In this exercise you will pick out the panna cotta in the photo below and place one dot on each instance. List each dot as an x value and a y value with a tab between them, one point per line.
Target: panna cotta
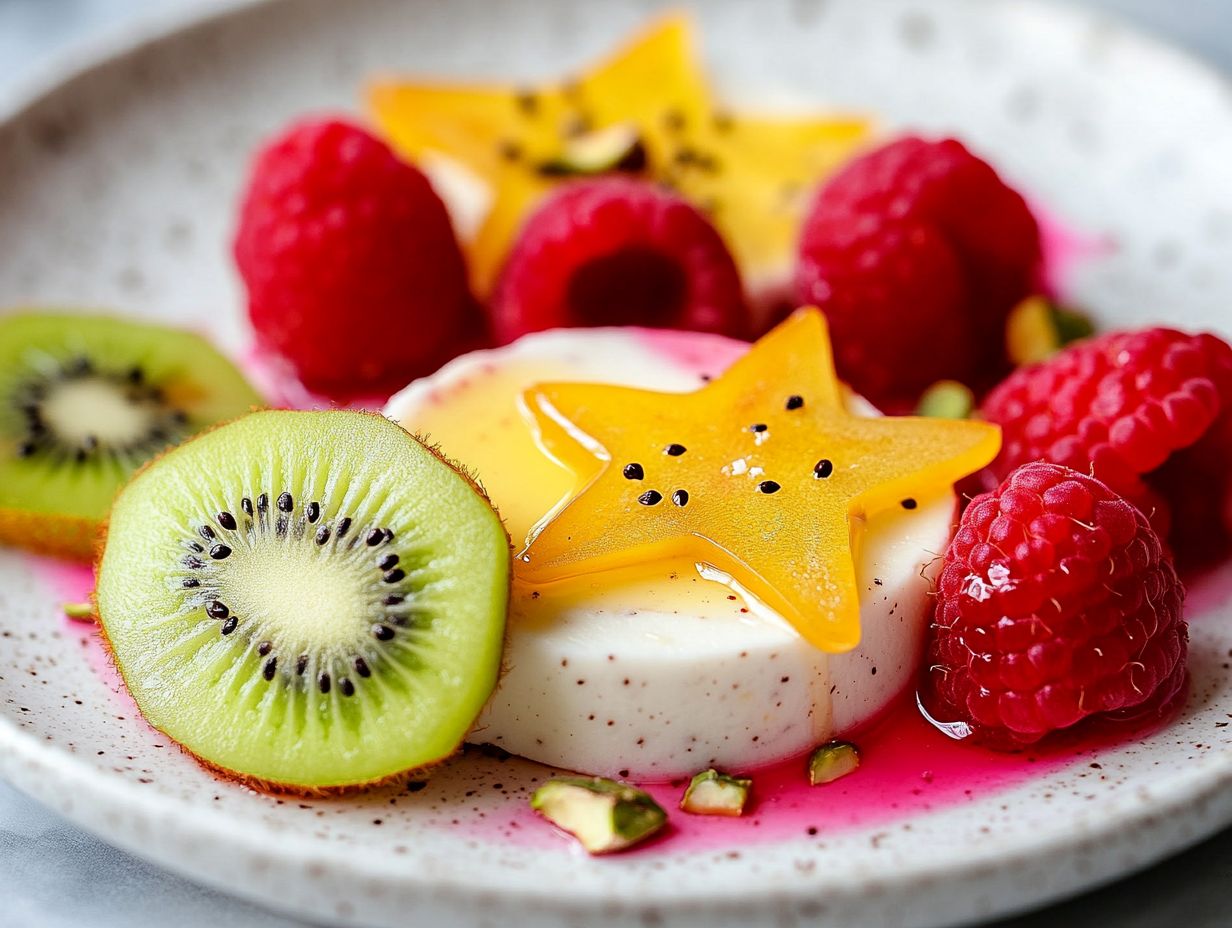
661	671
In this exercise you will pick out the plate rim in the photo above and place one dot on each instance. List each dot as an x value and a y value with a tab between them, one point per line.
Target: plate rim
1201	782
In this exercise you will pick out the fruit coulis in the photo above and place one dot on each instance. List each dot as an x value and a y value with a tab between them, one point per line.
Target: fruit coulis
907	768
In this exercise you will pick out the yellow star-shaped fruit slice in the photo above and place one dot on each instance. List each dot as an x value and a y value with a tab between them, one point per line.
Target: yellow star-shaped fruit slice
763	474
752	174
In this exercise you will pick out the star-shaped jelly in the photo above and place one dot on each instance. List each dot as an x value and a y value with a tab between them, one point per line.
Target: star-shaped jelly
751	173
763	474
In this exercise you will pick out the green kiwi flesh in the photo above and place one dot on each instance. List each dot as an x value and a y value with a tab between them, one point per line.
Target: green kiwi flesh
85	400
307	600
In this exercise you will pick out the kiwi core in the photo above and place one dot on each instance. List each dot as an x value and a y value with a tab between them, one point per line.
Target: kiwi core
97	408
332	611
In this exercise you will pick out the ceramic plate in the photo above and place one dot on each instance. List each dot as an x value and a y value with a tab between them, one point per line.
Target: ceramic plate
118	183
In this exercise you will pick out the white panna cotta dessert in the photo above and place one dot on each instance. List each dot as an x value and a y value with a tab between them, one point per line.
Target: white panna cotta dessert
663	671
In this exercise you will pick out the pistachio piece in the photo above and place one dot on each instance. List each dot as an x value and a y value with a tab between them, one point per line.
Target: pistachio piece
1037	328
714	793
832	760
79	612
946	399
603	815
613	148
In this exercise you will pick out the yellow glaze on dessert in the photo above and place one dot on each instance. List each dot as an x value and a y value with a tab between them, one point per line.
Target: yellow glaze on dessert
762	474
752	174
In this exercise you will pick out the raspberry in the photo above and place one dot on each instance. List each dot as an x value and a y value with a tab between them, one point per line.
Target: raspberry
1120	406
617	251
916	252
351	264
1055	603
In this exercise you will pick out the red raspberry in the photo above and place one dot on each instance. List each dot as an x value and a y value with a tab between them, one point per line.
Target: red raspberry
352	268
617	251
916	252
1055	603
1120	406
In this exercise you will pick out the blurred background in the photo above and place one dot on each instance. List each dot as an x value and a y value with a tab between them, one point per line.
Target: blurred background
30	30
52	874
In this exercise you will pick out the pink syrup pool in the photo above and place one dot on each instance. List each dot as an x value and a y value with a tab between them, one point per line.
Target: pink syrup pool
907	768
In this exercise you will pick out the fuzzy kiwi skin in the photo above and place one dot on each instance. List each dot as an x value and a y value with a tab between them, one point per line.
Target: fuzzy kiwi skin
274	787
72	538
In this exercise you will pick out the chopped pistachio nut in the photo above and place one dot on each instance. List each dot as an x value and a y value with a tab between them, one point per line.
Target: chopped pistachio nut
714	793
79	612
831	761
1037	328
612	148
603	815
946	399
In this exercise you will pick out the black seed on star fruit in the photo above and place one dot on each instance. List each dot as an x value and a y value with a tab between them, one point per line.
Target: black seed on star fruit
823	468
206	532
313	511
301	664
270	668
220	552
768	486
362	668
382	632
323	683
387	534
193	546
758	427
675	450
265	647
286	502
387	562
246	505
343	527
795	401
394	600
230	625
322	535
217	610
189	582
634	472
375	537
395	575
909	503
226	520
263	502
193	563
346	687
680	497
650	498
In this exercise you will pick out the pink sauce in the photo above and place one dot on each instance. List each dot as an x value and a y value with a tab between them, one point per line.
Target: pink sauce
1065	248
74	583
907	768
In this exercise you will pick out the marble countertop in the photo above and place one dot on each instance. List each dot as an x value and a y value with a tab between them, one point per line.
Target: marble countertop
52	874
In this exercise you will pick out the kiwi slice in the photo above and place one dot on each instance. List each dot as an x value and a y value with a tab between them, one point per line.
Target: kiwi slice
84	400
306	600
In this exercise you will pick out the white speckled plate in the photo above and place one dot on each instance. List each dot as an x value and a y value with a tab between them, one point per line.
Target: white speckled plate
116	186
